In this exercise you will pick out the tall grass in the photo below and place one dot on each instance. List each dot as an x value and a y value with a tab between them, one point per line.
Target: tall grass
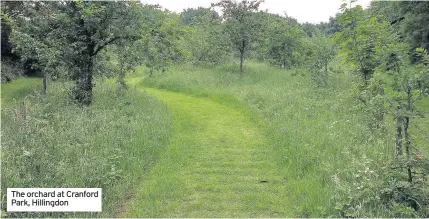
319	135
49	142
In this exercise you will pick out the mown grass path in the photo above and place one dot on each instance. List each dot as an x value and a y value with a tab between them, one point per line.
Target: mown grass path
217	165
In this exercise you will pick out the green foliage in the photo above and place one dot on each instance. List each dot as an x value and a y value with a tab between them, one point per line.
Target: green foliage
10	70
408	19
241	26
376	191
285	42
392	86
416	15
12	64
70	35
160	43
191	16
51	143
323	50
360	39
206	42
33	40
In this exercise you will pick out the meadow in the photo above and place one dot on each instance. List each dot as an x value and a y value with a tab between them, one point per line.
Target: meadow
317	135
244	113
311	145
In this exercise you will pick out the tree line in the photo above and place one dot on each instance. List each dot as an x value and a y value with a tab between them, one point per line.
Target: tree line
77	40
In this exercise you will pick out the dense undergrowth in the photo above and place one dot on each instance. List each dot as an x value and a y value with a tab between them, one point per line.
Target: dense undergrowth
328	154
50	142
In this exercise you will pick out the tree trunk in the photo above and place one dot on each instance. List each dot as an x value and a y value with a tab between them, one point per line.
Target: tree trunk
326	67
380	116
399	124
408	148
45	85
242	50
407	136
83	60
84	85
241	60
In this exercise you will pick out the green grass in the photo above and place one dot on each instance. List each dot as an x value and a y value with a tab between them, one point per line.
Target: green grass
49	142
213	166
18	89
315	135
206	149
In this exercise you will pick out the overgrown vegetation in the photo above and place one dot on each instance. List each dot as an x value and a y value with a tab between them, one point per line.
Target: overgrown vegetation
343	104
51	142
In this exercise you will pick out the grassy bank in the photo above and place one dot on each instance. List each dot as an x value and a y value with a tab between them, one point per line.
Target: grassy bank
49	142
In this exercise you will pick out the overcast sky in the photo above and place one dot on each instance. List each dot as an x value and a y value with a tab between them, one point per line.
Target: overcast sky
313	11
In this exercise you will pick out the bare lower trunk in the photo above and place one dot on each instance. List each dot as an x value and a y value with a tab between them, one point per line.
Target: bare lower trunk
407	135
241	61
326	68
84	85
399	125
408	148
45	85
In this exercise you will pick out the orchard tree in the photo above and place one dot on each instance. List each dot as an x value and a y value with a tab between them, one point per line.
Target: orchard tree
323	50
358	40
88	28
285	43
192	16
206	42
35	39
72	33
159	44
241	26
361	41
375	47
408	84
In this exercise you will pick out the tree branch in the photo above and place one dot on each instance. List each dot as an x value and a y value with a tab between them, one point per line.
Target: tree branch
112	40
104	44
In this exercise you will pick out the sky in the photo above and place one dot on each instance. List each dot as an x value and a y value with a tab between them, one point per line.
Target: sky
312	11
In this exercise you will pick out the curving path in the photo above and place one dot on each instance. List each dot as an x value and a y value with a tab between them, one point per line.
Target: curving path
217	165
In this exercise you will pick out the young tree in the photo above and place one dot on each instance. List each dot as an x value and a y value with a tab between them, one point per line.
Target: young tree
241	26
409	83
358	40
285	43
361	39
323	50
